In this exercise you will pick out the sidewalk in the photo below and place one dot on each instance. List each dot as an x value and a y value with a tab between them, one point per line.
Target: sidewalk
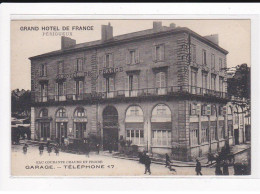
236	149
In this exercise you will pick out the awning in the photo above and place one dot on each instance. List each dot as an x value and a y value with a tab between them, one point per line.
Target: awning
137	126
162	126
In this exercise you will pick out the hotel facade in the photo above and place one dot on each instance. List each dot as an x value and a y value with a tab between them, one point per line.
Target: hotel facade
163	88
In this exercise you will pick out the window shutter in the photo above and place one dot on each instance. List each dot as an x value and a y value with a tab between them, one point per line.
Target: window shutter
162	52
80	87
64	88
40	90
112	83
127	83
111	60
74	87
56	89
45	89
127	57
154	53
135	82
137	56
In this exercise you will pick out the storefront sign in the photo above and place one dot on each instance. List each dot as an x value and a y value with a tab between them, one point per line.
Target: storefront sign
83	120
62	120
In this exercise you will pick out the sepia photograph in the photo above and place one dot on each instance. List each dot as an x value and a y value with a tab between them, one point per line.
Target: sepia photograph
128	97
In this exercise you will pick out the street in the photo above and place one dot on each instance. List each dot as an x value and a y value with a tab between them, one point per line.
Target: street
67	164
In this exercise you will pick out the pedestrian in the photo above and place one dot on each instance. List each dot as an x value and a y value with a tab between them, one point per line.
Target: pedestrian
198	167
49	149
25	148
147	163
225	168
56	149
41	148
218	169
167	160
48	143
98	147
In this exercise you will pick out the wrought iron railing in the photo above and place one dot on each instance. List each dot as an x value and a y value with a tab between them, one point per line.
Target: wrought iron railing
144	92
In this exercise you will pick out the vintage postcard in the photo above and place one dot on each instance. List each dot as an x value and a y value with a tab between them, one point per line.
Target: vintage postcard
130	97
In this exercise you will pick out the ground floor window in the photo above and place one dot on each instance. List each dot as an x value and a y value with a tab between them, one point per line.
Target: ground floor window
230	128
161	137
213	130
204	132
135	135
194	133
44	128
61	130
221	130
80	128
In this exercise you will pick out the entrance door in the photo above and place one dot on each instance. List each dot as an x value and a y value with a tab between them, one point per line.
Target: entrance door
61	131
80	128
236	134
110	128
45	130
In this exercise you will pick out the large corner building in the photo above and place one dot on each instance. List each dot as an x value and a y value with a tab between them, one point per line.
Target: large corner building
163	88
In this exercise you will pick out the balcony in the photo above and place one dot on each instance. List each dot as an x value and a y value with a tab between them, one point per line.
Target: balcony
181	91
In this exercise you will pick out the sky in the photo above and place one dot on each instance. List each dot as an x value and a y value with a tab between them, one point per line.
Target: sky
234	36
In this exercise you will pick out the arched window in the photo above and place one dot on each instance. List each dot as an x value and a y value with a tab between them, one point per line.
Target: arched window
80	112
43	113
134	125
161	125
229	110
61	113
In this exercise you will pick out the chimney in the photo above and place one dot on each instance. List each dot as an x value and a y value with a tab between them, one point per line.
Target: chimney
157	26
106	32
213	38
67	42
172	25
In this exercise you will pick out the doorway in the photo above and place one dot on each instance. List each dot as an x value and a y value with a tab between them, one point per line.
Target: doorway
236	134
110	128
61	131
45	130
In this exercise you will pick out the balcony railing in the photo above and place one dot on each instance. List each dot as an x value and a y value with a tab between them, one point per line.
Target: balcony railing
144	92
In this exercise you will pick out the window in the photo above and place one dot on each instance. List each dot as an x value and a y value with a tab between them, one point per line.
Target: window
44	89
204	132
213	130
80	112
160	80
61	113
80	128
204	57
108	60
194	109
212	61
43	113
213	82
60	67
135	135
221	83
194	133
78	87
193	53
161	137
158	54
43	70
220	112
61	88
221	129
78	65
132	57
220	64
213	110
204	80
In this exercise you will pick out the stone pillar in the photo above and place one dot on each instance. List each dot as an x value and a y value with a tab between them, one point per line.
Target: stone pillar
33	135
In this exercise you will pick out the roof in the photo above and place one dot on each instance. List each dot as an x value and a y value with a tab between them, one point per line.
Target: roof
128	37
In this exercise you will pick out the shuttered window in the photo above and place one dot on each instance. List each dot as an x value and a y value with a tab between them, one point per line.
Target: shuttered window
158	52
160	80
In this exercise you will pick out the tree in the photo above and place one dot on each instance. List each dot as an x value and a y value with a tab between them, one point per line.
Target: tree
21	102
239	84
